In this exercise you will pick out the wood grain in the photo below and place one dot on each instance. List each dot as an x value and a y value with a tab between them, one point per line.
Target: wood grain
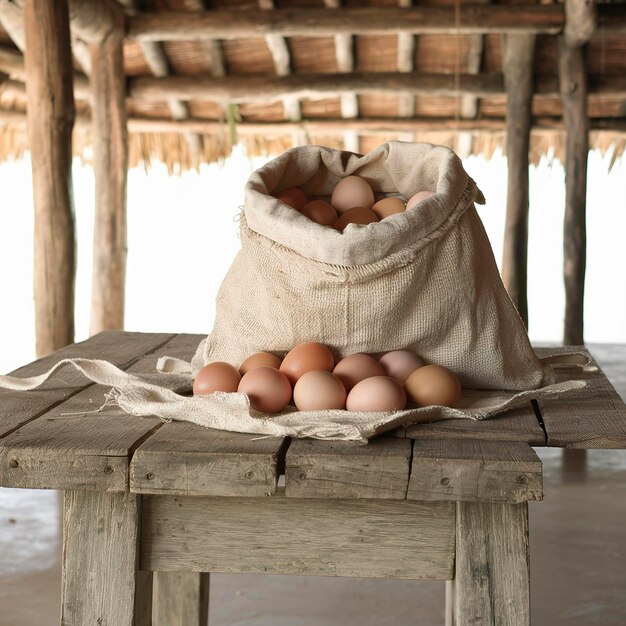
519	52
122	349
73	447
491	583
181	599
593	417
187	459
472	471
300	536
336	469
100	559
50	112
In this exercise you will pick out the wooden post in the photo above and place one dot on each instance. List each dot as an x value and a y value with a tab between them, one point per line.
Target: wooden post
181	599
110	168
50	104
518	76
573	86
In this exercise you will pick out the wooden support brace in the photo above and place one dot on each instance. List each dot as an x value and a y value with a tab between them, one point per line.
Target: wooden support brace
181	599
518	72
48	61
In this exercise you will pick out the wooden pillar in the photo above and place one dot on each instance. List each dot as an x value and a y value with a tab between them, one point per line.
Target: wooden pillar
110	136
580	17
518	75
50	104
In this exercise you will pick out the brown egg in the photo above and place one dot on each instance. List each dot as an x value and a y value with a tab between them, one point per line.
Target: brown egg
415	199
357	215
318	391
388	206
433	384
268	389
320	212
379	393
217	376
357	367
260	359
350	192
307	357
293	197
400	364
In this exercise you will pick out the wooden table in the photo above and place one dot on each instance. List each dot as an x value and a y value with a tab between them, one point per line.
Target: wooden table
444	501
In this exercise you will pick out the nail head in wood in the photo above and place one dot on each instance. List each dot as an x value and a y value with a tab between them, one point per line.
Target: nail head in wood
108	469
150	476
14	463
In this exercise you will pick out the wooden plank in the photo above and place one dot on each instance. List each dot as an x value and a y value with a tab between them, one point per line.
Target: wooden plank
187	459
516	425
593	417
519	52
101	584
491	582
122	349
110	162
337	469
50	112
73	447
319	22
573	82
181	599
472	471
299	536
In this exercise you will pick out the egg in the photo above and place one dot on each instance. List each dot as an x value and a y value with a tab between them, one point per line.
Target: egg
379	393
260	359
268	389
400	364
293	197
320	211
318	391
433	384
216	376
350	192
357	367
307	357
415	199
388	206
357	215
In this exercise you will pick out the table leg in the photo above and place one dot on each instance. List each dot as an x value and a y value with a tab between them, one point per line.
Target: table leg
492	583
181	599
101	583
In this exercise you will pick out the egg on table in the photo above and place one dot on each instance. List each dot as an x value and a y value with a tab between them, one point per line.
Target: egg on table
216	376
293	197
267	388
400	364
388	206
433	385
260	359
307	357
357	367
320	211
319	390
351	192
379	393
357	215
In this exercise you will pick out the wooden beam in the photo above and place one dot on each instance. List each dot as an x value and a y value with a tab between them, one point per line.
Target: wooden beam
406	63
48	60
110	168
95	20
519	51
573	83
580	21
319	22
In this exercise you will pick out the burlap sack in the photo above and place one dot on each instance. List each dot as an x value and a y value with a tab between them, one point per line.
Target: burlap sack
423	280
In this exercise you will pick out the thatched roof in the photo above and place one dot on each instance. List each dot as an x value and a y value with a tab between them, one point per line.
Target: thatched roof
310	111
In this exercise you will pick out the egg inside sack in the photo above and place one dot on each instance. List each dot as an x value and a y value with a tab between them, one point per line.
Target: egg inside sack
307	357
293	197
267	388
388	206
357	215
415	199
380	394
217	376
357	367
260	359
351	192
400	364
320	212
319	391
433	385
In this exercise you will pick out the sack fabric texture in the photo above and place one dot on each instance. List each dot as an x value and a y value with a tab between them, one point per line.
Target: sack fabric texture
424	280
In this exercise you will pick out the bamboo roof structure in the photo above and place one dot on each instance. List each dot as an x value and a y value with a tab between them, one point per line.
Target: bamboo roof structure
201	76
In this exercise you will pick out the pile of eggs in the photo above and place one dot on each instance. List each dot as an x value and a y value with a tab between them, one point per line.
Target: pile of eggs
309	375
352	202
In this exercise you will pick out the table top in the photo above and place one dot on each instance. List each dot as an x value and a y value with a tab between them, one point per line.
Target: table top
52	437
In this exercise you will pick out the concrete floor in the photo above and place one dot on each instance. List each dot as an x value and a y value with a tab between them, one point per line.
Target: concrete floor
578	559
